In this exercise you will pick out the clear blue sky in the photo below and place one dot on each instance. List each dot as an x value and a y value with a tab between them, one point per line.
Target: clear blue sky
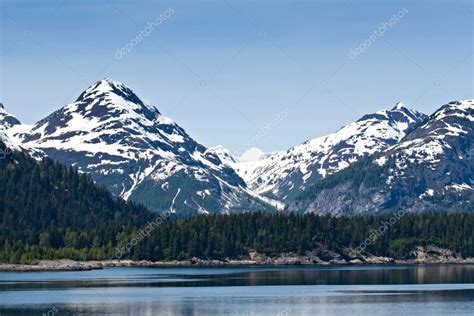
223	69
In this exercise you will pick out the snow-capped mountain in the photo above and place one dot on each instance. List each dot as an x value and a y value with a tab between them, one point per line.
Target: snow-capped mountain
442	149
284	175
10	128
431	168
138	153
385	160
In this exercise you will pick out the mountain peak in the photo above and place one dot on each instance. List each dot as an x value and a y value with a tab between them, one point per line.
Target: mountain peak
461	105
108	98
110	81
106	85
219	149
6	119
108	88
106	113
399	106
223	154
398	114
402	107
109	84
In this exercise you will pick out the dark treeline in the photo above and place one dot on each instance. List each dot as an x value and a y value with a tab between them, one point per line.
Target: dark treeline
48	211
231	236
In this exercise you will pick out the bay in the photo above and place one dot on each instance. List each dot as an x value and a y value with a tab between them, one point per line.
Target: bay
288	290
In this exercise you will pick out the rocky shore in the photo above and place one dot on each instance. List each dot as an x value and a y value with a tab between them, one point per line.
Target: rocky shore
420	255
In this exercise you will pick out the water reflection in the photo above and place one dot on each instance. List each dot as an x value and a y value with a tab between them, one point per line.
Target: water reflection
410	290
176	277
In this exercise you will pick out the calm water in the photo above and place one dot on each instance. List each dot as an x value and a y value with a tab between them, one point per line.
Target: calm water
282	291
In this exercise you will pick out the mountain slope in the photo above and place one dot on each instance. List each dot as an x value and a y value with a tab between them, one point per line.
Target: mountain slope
432	168
47	205
138	153
284	175
9	126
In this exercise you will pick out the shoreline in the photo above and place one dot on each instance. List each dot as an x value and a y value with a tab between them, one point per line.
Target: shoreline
66	265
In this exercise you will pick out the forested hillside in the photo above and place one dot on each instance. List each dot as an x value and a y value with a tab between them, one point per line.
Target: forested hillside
44	206
49	211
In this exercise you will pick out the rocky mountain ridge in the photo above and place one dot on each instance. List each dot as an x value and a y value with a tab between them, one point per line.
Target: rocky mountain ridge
430	169
390	159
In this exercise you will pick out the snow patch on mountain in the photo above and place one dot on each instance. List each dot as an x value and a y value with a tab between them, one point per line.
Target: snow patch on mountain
251	155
